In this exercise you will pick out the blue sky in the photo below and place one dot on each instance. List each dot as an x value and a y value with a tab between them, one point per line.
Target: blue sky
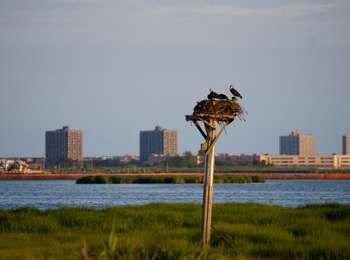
113	68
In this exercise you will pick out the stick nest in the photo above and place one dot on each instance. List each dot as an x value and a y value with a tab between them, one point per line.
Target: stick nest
223	111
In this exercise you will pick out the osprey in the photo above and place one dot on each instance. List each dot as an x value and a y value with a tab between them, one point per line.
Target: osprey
234	92
213	95
223	96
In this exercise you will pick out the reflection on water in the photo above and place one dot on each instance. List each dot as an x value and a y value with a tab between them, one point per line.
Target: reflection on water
52	194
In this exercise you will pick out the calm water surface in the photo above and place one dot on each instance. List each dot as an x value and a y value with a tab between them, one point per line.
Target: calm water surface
53	194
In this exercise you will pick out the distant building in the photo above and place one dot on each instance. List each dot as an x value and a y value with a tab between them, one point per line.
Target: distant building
162	142
241	159
63	147
297	144
35	163
332	161
346	144
200	159
14	166
127	158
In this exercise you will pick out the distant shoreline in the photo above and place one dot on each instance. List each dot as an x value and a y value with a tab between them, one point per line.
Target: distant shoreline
268	176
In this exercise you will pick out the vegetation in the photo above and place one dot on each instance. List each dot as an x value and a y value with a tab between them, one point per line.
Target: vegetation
103	179
198	169
172	231
187	162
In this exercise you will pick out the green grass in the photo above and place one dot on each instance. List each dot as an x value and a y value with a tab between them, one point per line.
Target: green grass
172	231
166	179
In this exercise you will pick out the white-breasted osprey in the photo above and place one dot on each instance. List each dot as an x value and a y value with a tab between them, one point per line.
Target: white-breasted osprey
234	92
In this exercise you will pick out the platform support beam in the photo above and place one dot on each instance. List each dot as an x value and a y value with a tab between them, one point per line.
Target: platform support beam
208	184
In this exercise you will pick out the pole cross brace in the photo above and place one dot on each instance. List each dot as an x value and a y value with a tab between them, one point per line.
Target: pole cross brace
211	145
200	129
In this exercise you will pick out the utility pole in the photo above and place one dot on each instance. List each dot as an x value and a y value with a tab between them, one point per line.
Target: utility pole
211	136
211	113
208	184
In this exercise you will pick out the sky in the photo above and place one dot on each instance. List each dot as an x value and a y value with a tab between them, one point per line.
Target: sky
113	68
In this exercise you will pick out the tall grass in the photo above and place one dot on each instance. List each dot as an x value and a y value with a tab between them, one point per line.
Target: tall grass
172	231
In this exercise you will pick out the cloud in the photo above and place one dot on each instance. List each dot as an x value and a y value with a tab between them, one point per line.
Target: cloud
228	10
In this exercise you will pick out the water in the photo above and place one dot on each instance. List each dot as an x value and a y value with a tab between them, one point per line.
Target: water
53	194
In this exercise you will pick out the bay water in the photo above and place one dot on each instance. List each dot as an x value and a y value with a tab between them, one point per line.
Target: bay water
46	194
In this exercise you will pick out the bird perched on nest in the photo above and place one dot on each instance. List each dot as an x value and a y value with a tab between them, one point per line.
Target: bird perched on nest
235	93
213	95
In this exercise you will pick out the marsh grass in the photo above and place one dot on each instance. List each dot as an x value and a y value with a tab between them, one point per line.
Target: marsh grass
105	179
172	231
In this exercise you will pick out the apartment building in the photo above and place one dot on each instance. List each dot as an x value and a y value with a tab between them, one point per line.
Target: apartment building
297	143
159	141
63	147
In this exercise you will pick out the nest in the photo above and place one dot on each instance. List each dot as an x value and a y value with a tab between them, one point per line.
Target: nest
222	111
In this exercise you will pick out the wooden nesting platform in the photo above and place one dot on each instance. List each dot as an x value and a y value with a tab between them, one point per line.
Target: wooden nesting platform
221	111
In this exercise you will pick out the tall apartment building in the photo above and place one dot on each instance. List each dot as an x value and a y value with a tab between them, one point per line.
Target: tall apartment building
346	144
63	147
297	144
159	142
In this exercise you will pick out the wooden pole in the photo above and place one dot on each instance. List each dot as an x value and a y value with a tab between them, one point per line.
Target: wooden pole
208	185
